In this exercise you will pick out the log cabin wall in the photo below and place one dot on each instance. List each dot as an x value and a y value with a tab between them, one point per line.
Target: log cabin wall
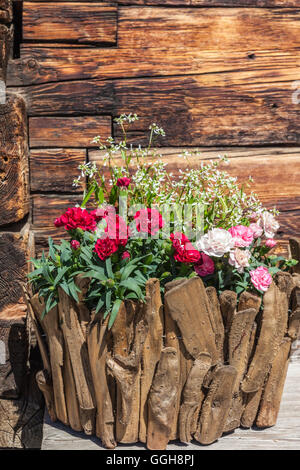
219	75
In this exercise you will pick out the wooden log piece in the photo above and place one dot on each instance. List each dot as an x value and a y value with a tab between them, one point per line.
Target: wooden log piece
152	349
125	365
98	343
216	320
271	396
273	329
162	400
14	161
193	397
45	385
238	356
77	347
74	413
50	325
216	405
174	339
251	404
188	305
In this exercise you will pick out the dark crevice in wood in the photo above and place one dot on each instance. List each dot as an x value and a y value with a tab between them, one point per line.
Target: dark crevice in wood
17	21
15	227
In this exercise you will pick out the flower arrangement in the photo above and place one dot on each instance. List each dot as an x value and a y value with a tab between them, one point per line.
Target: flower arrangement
143	222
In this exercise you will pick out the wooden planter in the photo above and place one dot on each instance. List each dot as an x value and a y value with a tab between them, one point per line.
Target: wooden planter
193	368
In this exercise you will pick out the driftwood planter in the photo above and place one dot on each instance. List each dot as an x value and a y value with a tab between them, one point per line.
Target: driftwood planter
193	368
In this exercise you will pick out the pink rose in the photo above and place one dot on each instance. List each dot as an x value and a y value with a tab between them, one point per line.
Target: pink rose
204	266
75	244
257	230
261	278
270	242
242	235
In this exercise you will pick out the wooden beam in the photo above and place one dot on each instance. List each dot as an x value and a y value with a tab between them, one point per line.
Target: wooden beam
81	22
221	29
68	132
218	109
40	63
14	161
54	170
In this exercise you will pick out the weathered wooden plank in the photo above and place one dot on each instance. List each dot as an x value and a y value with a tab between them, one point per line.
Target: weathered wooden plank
173	28
14	161
68	132
40	63
55	169
82	22
215	3
218	109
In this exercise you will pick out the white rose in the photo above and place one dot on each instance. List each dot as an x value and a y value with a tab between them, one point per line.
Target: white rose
268	222
216	242
239	259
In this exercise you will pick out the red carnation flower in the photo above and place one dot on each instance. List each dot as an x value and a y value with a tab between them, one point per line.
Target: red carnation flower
123	182
117	229
148	221
185	252
75	244
99	214
105	247
76	217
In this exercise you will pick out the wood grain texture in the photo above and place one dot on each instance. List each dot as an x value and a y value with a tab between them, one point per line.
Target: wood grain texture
41	64
68	132
55	169
6	42
82	22
14	188
215	3
251	110
238	28
15	250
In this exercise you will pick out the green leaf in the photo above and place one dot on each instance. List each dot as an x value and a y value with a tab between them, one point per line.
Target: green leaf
73	291
109	268
108	300
114	313
88	194
61	273
132	285
100	304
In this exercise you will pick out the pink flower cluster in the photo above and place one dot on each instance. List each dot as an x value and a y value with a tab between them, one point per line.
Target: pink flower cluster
185	252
